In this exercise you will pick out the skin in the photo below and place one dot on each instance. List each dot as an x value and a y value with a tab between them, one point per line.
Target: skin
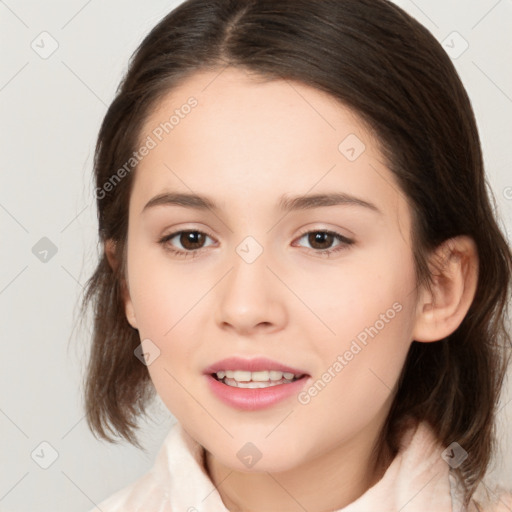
246	144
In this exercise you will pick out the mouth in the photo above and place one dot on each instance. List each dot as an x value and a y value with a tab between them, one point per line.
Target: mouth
254	384
257	379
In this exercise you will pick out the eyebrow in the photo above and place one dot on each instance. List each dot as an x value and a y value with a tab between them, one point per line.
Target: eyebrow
286	204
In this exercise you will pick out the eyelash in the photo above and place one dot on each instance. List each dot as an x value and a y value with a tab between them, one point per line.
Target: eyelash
164	241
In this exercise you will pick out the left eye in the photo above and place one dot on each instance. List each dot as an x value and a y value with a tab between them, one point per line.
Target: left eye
322	240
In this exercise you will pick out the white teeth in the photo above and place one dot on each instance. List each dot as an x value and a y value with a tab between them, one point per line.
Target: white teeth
257	379
262	376
254	385
242	376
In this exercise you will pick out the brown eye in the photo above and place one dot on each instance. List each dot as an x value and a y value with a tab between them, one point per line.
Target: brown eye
185	243
320	239
191	240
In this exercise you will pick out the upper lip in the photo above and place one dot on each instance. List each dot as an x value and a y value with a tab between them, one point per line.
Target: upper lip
255	364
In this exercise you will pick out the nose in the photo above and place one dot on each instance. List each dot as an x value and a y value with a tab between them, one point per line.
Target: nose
251	299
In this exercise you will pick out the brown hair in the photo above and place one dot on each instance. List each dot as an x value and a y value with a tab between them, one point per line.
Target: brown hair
377	60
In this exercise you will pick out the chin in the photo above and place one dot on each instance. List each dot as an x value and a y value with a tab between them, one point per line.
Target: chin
257	456
264	465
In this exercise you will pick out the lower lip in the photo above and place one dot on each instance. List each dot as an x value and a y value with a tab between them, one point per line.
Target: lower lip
248	399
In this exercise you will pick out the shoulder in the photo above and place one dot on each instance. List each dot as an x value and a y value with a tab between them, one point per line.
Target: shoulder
177	475
489	497
495	499
150	492
145	492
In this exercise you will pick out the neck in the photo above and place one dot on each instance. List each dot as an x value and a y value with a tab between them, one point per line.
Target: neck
328	482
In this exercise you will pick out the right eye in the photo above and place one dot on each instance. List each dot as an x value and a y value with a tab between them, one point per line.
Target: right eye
191	241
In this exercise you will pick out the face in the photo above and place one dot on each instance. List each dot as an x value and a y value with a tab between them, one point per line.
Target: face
323	287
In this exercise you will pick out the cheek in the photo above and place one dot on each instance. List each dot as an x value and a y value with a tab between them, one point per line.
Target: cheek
370	312
356	382
163	293
362	298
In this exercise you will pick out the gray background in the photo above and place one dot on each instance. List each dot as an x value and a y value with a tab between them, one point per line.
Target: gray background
51	107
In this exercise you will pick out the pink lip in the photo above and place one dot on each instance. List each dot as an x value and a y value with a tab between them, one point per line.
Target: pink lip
251	365
253	399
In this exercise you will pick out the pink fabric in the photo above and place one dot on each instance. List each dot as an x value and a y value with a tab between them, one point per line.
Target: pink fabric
418	480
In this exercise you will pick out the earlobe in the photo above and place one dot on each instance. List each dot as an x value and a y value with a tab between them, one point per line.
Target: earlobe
442	308
111	254
130	313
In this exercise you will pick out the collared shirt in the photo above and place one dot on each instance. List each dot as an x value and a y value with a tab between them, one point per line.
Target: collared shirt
418	480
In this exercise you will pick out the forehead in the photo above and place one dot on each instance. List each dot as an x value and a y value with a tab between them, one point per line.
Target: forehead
257	137
277	112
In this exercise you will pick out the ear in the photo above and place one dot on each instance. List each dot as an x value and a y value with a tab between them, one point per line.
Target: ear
113	260
454	270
